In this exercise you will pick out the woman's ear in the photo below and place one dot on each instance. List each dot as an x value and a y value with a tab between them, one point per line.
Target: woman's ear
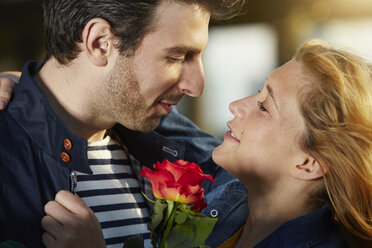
308	169
97	39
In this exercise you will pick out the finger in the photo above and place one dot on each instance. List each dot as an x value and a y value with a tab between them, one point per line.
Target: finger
6	89
3	104
72	202
59	213
49	240
51	226
6	85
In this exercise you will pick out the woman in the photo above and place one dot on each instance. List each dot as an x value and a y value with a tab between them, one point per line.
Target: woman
302	147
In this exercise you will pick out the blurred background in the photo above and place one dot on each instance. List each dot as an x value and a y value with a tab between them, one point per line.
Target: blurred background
241	52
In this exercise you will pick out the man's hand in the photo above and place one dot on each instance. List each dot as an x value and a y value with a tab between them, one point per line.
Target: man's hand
6	87
69	222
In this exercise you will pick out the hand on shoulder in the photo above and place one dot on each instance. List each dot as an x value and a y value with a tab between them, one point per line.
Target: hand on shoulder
7	82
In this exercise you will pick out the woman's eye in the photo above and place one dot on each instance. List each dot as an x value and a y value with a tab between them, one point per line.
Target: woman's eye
261	106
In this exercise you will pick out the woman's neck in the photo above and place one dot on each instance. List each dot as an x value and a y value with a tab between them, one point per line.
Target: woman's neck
269	209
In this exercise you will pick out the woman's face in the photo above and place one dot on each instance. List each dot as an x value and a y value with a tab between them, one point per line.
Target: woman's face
263	136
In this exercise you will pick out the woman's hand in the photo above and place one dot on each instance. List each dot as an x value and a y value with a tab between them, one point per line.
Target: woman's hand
69	222
7	82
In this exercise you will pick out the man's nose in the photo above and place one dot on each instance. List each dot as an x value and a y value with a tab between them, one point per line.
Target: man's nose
192	79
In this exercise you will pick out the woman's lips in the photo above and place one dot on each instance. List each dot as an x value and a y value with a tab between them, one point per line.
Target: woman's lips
231	135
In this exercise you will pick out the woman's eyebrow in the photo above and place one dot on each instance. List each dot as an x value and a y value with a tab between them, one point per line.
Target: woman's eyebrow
271	93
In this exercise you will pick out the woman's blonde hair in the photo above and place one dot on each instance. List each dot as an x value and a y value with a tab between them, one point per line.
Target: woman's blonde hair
337	110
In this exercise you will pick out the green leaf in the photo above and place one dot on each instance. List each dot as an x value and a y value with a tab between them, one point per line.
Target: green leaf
192	233
180	217
204	227
170	223
181	236
148	198
191	213
157	215
169	210
135	241
11	244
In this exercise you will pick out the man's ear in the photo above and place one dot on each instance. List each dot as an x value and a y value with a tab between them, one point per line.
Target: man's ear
97	39
307	169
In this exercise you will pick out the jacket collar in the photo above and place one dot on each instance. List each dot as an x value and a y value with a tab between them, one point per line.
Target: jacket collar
305	231
149	147
30	109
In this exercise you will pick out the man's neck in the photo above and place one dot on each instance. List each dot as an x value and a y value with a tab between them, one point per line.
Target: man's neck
68	94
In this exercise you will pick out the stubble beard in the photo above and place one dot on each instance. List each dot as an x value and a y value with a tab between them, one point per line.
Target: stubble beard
123	100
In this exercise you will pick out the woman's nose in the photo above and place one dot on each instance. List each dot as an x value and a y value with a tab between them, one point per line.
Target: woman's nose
239	107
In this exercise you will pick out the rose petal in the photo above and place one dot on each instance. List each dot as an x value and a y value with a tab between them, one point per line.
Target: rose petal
199	205
190	194
190	165
194	177
177	170
170	191
181	193
157	177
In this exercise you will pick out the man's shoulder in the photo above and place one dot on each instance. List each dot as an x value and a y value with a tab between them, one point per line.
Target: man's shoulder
10	130
20	110
15	147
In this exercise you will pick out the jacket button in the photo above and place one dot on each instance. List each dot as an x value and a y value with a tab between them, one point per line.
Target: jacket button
65	157
214	213
68	145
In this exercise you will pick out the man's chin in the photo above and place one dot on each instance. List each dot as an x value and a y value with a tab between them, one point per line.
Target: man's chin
145	126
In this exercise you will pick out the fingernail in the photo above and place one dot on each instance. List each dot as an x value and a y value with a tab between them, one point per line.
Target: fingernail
3	104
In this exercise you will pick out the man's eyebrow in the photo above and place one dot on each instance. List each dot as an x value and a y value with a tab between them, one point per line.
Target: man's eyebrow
271	93
182	50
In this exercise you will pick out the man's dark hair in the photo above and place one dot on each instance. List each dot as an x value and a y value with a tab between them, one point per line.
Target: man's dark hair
131	20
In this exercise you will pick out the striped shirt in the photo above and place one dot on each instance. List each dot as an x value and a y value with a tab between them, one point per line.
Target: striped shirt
113	193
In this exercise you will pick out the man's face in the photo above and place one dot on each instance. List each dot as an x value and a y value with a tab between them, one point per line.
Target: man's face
166	66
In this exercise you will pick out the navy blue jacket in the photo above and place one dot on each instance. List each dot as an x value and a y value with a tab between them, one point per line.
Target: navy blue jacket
32	170
314	230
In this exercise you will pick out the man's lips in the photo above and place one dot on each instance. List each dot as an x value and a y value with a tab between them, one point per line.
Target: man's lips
167	106
170	102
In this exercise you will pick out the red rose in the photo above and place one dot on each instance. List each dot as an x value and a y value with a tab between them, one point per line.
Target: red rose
179	181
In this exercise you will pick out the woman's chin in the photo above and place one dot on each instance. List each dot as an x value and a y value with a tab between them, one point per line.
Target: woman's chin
216	156
221	158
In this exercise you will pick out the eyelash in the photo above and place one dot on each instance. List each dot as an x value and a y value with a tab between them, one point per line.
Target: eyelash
261	106
175	60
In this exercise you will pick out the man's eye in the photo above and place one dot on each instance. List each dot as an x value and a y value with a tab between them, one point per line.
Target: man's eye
261	106
176	60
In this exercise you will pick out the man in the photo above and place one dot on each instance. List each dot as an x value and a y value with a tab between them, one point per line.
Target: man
113	70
